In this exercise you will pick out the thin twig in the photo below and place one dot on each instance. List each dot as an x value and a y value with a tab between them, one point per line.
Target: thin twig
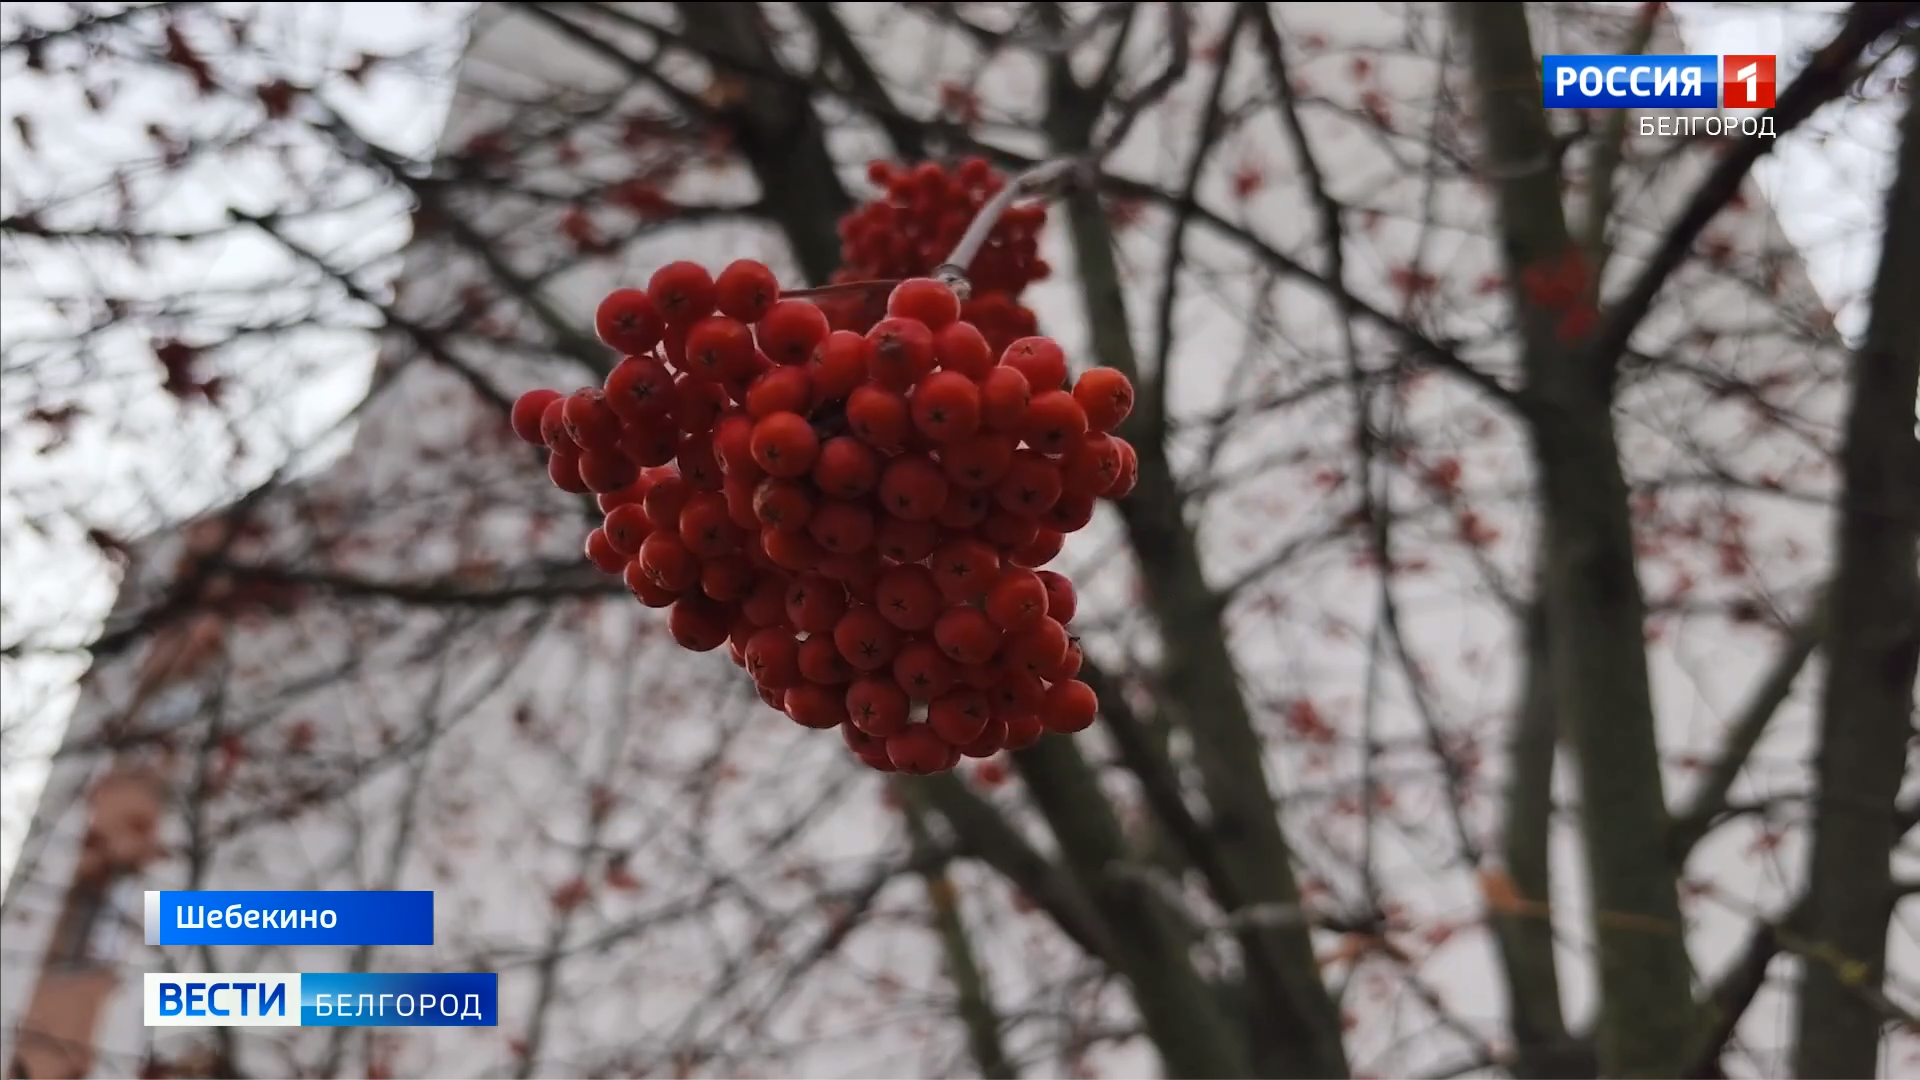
1037	180
1180	31
844	288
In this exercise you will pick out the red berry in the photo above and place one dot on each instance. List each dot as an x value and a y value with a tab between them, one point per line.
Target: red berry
1070	667
783	504
907	596
982	677
1069	707
1046	544
603	555
603	471
964	510
698	403
665	499
959	717
739	489
960	347
846	468
1014	691
1017	600
1040	359
706	527
1071	513
993	739
902	352
766	604
923	671
980	462
877	706
628	321
906	541
1007	530
1004	397
839	364
640	389
1129	471
733	445
698	624
527	409
964	570
815	604
632	493
1090	464
815	706
553	427
627	527
727	578
878	416
1031	485
863	745
1024	730
795	552
773	657
785	445
946	407
666	560
866	640
913	488
1039	650
791	330
966	635
698	465
563	468
917	751
821	662
842	527
591	423
649	445
1054	422
719	348
644	589
1062	601
859	573
745	290
682	292
1107	397
928	300
782	389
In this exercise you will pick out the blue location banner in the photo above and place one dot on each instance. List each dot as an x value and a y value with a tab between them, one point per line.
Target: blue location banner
379	999
262	917
1630	82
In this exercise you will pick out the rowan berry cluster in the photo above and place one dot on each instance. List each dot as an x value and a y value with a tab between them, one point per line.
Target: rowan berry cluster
912	227
861	518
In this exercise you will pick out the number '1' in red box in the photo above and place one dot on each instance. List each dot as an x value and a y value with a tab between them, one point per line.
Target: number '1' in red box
1746	82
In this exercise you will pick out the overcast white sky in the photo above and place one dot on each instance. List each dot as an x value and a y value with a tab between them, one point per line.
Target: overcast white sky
1826	191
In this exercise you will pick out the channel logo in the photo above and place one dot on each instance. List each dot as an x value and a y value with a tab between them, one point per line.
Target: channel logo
1743	81
323	999
1746	82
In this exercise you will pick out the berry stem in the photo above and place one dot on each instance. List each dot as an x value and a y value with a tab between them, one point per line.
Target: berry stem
842	289
1033	181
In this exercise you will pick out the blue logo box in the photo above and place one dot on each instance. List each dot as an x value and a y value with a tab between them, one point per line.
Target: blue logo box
1630	82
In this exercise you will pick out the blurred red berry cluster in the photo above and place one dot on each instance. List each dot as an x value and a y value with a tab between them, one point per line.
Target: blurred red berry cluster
913	227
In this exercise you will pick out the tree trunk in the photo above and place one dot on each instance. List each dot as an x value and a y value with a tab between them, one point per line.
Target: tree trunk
1590	587
1868	703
